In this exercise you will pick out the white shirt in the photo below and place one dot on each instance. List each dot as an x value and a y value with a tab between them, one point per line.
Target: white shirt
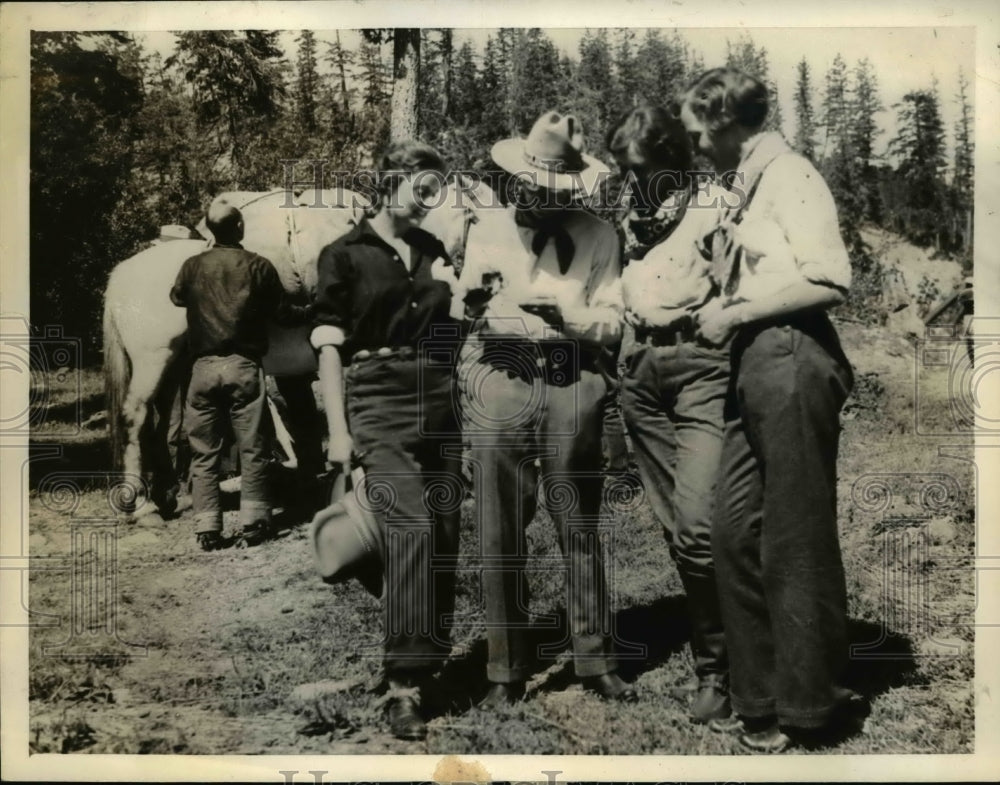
588	294
673	273
790	229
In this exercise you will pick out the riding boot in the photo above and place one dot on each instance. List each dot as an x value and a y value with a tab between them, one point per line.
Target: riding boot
708	645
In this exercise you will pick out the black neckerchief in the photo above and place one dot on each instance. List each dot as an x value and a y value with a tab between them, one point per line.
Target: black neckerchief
547	228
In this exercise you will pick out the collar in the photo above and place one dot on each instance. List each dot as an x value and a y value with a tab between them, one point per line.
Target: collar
760	149
422	240
231	246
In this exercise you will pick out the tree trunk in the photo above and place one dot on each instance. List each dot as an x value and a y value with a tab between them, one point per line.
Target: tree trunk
405	72
343	76
446	55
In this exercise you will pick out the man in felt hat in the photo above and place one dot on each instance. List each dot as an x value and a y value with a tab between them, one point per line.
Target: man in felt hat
541	295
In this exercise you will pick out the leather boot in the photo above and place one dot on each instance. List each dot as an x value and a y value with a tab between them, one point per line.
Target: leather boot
708	646
403	709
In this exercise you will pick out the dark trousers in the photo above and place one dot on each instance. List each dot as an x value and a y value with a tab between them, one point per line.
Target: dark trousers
781	579
227	392
518	412
673	399
403	420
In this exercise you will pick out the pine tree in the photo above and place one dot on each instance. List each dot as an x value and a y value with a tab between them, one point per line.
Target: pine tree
963	178
835	117
431	85
466	99
661	68
837	161
237	85
864	104
595	77
964	144
805	121
307	81
341	61
375	76
919	148
86	93
489	85
627	81
534	81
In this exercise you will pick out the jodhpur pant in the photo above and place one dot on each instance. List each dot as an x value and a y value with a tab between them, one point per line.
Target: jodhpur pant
522	405
673	399
403	419
781	578
227	391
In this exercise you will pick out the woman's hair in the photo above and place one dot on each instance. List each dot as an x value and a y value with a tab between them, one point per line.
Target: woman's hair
722	97
657	133
407	157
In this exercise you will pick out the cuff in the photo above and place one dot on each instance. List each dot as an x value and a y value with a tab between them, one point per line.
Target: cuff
326	335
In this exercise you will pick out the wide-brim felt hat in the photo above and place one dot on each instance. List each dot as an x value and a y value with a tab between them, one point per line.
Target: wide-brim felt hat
348	541
552	156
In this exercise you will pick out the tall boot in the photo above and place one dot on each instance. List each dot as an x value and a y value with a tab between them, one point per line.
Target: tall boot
708	645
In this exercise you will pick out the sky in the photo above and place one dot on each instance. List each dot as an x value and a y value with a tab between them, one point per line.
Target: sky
904	58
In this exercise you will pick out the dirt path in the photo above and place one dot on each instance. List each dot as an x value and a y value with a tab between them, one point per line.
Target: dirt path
212	647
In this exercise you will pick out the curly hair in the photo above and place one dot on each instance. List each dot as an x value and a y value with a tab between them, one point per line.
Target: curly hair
657	133
407	157
723	97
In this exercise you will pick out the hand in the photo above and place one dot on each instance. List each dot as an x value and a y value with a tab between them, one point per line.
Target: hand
716	321
635	319
445	272
549	312
339	449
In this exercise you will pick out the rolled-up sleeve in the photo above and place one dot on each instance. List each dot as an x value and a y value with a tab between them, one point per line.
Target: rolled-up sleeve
805	210
331	311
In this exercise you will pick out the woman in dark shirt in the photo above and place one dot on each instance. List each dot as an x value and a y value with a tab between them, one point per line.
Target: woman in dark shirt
387	350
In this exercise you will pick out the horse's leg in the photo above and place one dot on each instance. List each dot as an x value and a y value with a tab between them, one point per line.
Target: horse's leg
146	375
303	423
164	446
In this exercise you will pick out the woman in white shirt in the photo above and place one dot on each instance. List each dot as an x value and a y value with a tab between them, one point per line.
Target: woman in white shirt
778	263
541	287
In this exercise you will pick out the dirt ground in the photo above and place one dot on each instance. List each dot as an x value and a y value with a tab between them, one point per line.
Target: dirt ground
248	652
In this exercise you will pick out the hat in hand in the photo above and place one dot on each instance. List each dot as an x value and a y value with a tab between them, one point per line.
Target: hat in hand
552	156
348	541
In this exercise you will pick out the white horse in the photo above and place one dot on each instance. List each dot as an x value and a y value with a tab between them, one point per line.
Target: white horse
144	332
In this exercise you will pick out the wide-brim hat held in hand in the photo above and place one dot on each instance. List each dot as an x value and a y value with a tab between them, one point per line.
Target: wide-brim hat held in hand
552	156
347	539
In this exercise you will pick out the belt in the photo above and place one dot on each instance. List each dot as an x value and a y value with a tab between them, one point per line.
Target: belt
402	352
565	358
679	332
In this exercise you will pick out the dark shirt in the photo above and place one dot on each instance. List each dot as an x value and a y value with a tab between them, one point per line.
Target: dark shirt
367	290
230	295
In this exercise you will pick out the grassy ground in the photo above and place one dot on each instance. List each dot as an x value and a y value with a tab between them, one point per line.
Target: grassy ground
228	639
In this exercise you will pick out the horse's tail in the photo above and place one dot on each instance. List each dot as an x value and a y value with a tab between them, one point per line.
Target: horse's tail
117	375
